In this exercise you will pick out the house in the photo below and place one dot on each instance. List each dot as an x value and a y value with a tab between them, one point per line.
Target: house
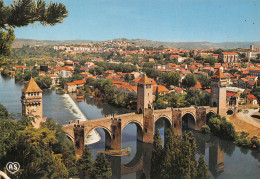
54	79
178	90
161	89
74	86
228	57
251	99
176	57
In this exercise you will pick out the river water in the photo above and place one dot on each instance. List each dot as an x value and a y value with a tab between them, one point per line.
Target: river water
225	160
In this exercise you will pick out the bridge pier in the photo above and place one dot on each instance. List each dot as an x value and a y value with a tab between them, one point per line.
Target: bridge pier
148	120
116	136
201	116
177	121
79	139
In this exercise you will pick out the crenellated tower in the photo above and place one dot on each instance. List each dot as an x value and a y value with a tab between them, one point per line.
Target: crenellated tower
32	102
218	92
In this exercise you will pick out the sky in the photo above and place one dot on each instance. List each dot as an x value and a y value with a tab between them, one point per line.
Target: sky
159	20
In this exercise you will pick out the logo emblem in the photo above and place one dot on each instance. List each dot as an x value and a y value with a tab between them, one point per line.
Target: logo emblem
12	167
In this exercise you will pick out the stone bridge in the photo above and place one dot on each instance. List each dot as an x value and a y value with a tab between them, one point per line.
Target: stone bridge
191	117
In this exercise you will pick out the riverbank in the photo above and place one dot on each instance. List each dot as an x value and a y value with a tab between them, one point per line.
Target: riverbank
244	122
93	136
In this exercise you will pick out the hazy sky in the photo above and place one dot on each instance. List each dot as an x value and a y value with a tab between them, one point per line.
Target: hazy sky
161	20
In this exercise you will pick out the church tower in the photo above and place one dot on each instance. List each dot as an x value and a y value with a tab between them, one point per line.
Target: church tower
32	102
144	94
218	92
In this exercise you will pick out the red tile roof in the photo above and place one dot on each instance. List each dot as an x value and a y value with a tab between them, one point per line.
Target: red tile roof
229	53
231	94
251	97
31	86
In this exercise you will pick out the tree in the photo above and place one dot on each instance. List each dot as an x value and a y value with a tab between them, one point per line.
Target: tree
171	78
204	81
157	154
30	74
190	80
86	163
202	169
44	82
102	168
21	13
5	73
156	94
3	112
18	75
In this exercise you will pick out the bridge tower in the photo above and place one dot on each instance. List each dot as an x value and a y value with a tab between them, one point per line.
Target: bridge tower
144	94
218	92
32	102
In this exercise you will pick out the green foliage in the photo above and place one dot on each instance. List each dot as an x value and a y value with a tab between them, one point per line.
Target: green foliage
222	128
42	153
242	140
121	67
97	71
3	112
18	75
205	129
202	169
5	72
190	80
86	163
102	168
178	158
178	101
157	153
204	81
24	12
27	52
159	104
44	82
255	143
198	98
30	74
170	78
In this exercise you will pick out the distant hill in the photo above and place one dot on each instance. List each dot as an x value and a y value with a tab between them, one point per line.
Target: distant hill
18	43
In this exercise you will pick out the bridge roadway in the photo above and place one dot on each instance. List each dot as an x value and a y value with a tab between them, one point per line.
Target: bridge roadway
114	125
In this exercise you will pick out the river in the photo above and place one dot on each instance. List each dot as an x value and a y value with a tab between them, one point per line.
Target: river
225	160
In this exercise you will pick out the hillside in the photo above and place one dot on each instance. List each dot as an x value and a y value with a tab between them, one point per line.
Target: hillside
18	43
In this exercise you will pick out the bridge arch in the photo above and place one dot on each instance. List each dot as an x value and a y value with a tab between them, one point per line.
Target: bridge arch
188	121
108	135
165	117
137	123
139	130
70	137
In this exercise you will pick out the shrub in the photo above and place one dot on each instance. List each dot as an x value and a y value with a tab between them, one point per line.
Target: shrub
205	129
255	142
214	125
222	128
242	140
227	130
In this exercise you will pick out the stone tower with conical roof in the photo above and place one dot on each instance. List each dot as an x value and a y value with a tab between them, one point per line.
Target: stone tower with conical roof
144	94
32	102
218	92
